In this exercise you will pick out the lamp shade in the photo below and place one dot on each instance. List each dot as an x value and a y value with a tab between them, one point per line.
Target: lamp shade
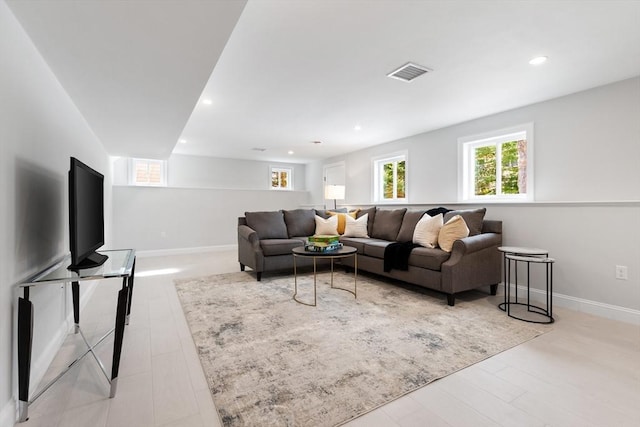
335	192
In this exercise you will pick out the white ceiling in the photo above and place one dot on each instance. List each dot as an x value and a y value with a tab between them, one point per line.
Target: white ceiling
296	72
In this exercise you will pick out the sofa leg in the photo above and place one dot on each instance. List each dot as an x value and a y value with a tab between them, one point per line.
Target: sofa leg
241	267
451	299
494	289
259	275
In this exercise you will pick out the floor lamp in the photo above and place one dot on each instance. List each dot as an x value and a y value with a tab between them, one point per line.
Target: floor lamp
335	192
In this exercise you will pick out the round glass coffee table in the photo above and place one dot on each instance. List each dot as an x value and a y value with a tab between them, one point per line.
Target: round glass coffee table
343	252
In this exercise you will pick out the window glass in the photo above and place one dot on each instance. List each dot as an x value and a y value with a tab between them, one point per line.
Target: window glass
390	179
499	166
148	172
281	178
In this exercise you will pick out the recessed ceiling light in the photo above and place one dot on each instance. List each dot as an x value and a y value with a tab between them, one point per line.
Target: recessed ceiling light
182	141
207	101
357	127
538	60
290	152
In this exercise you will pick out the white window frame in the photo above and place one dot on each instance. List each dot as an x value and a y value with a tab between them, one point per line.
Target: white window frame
376	166
466	162
132	172
279	169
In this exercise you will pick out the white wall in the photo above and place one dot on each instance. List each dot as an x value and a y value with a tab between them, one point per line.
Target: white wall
40	128
201	205
587	184
211	172
152	219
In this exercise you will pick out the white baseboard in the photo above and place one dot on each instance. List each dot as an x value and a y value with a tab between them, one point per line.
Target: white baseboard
9	414
184	251
609	311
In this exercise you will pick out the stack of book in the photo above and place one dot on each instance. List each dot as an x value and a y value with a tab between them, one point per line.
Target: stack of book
323	243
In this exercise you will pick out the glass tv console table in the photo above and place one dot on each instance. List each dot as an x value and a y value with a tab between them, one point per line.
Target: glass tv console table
120	264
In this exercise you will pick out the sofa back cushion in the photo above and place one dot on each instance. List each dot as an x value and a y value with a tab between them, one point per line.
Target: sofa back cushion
300	222
268	225
371	216
387	224
472	217
409	221
324	213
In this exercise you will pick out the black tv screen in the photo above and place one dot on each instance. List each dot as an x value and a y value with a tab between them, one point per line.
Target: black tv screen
86	215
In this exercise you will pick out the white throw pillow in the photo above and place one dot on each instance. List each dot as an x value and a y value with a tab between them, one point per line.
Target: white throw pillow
356	227
455	229
427	231
327	226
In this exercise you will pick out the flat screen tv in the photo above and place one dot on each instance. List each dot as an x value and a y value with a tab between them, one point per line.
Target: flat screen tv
86	216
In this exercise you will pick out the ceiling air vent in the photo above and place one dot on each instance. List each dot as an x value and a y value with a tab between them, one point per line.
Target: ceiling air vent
408	72
259	149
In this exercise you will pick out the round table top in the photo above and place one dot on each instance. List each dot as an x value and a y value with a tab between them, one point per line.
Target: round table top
522	251
545	260
343	251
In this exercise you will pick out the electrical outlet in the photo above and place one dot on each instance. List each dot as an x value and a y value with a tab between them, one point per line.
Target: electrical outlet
621	272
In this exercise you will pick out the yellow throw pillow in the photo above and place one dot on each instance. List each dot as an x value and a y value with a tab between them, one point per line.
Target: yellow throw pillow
453	230
342	219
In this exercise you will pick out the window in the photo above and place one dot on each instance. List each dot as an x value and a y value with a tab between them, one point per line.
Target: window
281	178
390	178
147	172
497	165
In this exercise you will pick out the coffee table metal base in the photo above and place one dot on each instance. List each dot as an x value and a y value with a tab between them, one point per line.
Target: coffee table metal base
354	292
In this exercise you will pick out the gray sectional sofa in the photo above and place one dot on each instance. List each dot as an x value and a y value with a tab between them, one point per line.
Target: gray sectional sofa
265	240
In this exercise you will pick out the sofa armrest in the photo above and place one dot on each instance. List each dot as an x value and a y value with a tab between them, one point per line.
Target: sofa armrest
249	250
249	234
474	261
475	243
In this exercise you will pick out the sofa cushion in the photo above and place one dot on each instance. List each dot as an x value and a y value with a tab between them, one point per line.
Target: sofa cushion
268	225
409	222
431	258
327	226
375	248
387	224
279	246
427	231
300	222
355	242
451	231
371	213
472	217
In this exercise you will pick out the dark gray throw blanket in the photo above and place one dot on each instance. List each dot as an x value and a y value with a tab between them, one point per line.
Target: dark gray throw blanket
396	255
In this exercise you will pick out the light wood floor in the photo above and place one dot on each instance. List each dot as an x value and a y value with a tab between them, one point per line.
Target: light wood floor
586	372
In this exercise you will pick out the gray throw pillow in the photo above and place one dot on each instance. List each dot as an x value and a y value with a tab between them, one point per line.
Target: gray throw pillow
387	224
473	218
409	222
372	216
324	213
300	222
268	225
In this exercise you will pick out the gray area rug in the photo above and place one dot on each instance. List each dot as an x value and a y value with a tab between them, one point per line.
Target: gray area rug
270	361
